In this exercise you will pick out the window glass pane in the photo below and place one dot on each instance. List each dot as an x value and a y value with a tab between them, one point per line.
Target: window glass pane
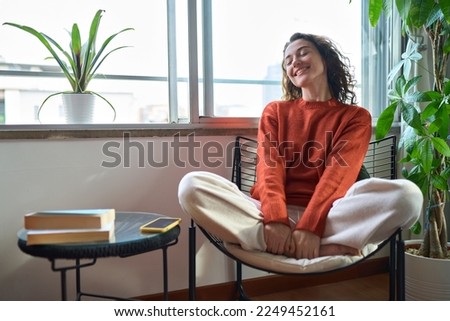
139	85
248	38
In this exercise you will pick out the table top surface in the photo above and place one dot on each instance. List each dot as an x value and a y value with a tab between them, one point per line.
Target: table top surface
128	240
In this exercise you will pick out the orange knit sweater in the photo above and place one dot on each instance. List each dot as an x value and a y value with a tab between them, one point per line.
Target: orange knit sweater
309	154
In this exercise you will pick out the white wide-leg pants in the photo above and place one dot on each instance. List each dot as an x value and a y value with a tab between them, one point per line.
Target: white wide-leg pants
371	211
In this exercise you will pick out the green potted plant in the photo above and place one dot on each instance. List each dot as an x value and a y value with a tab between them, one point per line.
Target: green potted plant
424	114
81	61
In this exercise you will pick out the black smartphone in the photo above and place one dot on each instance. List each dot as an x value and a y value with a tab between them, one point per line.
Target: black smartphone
160	225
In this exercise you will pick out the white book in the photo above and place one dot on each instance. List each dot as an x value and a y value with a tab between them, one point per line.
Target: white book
62	236
69	219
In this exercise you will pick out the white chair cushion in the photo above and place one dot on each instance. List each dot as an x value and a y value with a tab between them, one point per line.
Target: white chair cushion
282	264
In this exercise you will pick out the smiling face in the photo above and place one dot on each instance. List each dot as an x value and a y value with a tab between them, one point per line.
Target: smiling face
304	65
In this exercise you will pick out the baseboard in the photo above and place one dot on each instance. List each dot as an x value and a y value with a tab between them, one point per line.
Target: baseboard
276	283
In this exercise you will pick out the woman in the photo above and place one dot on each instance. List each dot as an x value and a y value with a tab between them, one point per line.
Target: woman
311	147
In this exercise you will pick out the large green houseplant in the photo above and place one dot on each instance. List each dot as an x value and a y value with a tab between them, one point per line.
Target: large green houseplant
81	61
424	112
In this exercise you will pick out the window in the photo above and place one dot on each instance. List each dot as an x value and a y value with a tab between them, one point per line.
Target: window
381	50
245	43
195	61
136	79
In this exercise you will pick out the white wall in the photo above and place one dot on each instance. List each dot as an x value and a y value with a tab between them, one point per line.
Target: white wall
57	174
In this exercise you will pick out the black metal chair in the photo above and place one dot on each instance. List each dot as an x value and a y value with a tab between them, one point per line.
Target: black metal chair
380	162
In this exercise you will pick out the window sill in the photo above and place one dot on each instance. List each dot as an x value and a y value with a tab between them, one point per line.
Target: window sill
13	132
245	127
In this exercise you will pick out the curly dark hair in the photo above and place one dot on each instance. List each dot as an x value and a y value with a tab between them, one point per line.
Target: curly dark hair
340	79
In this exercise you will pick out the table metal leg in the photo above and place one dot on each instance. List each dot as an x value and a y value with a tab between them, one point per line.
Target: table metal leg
78	279
63	286
165	276
63	270
78	265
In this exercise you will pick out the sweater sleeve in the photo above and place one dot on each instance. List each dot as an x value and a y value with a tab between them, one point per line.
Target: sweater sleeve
344	162
270	170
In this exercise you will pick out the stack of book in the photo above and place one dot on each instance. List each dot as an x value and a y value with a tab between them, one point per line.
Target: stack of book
69	226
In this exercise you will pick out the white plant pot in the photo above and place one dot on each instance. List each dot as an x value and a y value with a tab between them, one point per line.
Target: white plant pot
78	108
426	279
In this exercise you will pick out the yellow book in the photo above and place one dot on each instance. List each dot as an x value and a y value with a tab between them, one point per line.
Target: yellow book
63	236
69	219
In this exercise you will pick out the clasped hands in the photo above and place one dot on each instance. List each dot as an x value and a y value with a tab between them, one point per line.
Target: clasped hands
297	244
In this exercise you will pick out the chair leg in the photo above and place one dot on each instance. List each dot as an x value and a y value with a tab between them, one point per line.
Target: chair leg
392	268
242	296
401	270
192	269
397	268
192	262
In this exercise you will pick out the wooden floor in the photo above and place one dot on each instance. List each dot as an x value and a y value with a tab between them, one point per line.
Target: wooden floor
371	288
367	281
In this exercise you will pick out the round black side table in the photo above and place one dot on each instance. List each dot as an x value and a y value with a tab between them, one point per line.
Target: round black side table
128	241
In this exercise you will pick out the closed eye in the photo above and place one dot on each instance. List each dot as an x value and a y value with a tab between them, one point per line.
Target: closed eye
301	52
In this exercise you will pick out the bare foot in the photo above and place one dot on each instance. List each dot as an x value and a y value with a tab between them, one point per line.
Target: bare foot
338	249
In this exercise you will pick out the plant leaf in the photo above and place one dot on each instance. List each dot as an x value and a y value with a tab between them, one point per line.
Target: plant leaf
439	182
445	8
441	146
76	40
375	10
418	177
408	139
45	41
95	63
411	116
403	7
442	115
435	15
446	48
416	228
420	11
447	86
434	126
45	100
446	173
425	149
69	75
89	50
385	121
411	83
106	100
429	96
75	46
394	71
399	84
